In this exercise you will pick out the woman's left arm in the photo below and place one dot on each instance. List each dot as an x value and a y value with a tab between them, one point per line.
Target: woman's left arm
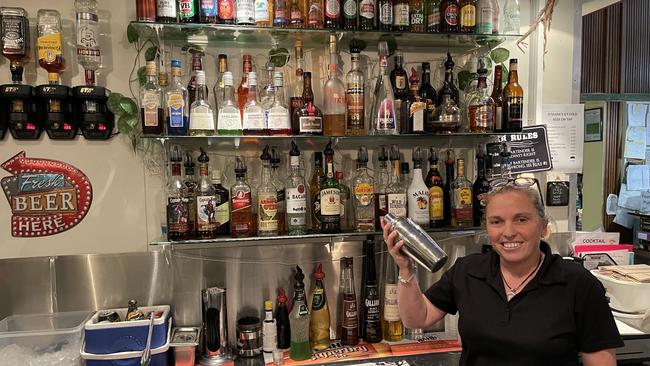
605	357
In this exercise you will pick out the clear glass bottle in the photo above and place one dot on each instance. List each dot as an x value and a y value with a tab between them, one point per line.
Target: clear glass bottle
245	13
241	203
511	17
333	95
242	89
395	191
383	179
229	118
296	195
221	204
330	196
355	85
267	91
88	53
197	65
484	17
267	198
481	109
177	200
176	103
392	328
295	100
461	199
383	106
418	193
254	122
151	111
17	51
319	326
279	122
219	89
201	113
447	116
191	184
299	319
346	203
280	190
350	321
50	44
363	194
269	329
205	210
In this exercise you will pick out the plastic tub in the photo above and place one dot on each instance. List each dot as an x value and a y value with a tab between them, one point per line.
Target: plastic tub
46	339
625	296
105	338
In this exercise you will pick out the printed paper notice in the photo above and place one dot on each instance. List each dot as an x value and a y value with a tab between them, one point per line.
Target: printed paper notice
638	177
629	199
637	114
565	128
635	137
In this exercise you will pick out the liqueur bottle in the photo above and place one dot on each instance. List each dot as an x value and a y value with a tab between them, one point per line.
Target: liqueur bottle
418	193
381	202
513	101
208	11
497	96
383	106
392	328
449	14
371	317
330	196
395	191
319	326
299	320
447	116
401	15
187	11
176	108
245	12
386	16
334	96
177	201
241	218
206	223
229	117
415	108
461	199
296	195
296	101
314	191
481	109
242	90
416	15
267	198
151	111
363	194
254	121
350	322
201	112
279	189
432	8
355	83
480	188
88	52
14	40
50	44
367	14
448	86
308	118
435	186
166	11
226	12
467	16
345	202
428	95
219	88
449	178
399	81
221	204
282	321
269	329
191	184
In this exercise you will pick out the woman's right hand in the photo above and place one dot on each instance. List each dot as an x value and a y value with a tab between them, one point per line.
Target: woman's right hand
394	249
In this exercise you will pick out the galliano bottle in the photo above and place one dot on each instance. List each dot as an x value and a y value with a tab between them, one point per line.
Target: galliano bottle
418	193
319	326
371	310
350	322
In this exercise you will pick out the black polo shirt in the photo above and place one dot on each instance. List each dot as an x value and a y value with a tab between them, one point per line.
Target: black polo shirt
560	312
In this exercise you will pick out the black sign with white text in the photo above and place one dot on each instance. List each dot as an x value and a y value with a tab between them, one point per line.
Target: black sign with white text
529	151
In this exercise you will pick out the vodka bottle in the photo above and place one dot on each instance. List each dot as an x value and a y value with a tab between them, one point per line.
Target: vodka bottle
383	106
88	53
254	122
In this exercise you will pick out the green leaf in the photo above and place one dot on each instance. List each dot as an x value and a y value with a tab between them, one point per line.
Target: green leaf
132	34
499	55
114	105
142	75
464	77
129	106
279	56
504	79
151	53
131	120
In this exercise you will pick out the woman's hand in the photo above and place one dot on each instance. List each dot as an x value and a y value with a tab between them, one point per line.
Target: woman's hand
402	261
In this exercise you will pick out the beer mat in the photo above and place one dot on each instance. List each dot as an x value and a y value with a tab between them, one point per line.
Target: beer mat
366	351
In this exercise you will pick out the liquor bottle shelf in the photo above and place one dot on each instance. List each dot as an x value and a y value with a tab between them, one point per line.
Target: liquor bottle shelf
248	35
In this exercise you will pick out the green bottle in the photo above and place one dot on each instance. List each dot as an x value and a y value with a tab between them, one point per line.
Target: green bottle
299	321
330	196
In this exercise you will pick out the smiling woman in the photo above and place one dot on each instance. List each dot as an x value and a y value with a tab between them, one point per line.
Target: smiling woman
519	304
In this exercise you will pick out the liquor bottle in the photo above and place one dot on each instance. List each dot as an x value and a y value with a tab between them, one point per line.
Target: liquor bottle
132	311
448	86
315	14
221	204
392	328
191	184
350	323
496	25
367	11
395	192
201	113
381	202
229	118
177	200
197	65
497	96
435	186
263	13
145	10
296	15
88	52
314	191
245	12
319	325
371	316
467	16
50	44
226	12
334	96
345	202
333	14
176	103
513	101
296	101
14	25
386	16
449	178
350	14
399	81
484	17
281	13
461	199
363	194
330	196
447	116
267	198
296	195
242	90
151	111
282	321
480	188
279	189
208	11
383	105
241	216
254	121
279	122
308	118
219	89
299	320
418	192
415	108
188	11
166	11
269	329
355	84
428	95
432	8
511	17
481	109
404	180
416	11
449	14
267	90
205	198
401	15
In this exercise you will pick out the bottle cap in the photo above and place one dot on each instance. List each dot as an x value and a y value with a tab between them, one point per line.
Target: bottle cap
433	155
176	63
404	169
362	155
449	64
265	154
319	274
175	155
200	77
383	154
394	153
328	149
227	78
268	305
282	296
426	66
294	150
189	160
275	157
306	74
417	154
151	68
240	166
299	277
370	239
252	78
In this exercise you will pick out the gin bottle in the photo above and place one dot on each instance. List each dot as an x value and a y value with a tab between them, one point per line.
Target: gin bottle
219	89
201	113
363	194
383	105
229	118
296	195
176	103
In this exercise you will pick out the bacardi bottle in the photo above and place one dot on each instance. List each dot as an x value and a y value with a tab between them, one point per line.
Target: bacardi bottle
296	196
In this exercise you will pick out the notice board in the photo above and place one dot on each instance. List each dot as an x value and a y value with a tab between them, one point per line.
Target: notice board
529	151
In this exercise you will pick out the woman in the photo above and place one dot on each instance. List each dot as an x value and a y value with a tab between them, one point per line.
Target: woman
519	304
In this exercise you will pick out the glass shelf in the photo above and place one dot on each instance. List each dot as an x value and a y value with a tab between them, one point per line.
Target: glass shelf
239	35
614	97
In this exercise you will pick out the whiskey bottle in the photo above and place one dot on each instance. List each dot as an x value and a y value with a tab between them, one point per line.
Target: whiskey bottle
346	202
371	315
381	202
242	90
267	198
449	178
50	44
355	80
178	227
201	112
206	223
396	192
467	16
383	106
176	108
363	194
241	218
279	189
229	117
14	25
480	188
449	14
461	199
448	86
392	328
221	204
296	101
416	15
497	96
428	95
296	196
254	121
334	96
151	111
481	109
350	323
399	81
319	324
435	185
401	15
191	184
415	108
279	121
513	101
330	196
314	191
308	118
418	193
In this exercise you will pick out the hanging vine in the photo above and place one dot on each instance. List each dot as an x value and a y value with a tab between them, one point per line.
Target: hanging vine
545	16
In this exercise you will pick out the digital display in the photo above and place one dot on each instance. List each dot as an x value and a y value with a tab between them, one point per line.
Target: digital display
101	127
30	126
67	127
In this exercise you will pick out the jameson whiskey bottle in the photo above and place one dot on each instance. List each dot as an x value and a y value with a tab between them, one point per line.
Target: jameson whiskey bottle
330	196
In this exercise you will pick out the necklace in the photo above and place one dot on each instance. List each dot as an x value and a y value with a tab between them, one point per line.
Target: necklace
513	291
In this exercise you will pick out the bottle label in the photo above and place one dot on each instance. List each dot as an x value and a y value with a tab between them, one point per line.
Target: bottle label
451	14
350	9
315	13
205	213
269	335
279	118
254	120
87	44
222	211
484	117
417	16
391	309
401	14
515	110
382	204
364	192
316	211
178	215
332	8
209	8
318	300
468	16
386	13
417	114
280	16
434	18
229	120
241	201
311	124
400	82
484	24
296	200
150	104
350	314
367	9
245	10
386	115
201	121
397	204
261	11
354	98
13	34
186	9
330	202
49	47
226	9
436	203
302	309
268	211
418	207
296	15
166	8
176	107
498	118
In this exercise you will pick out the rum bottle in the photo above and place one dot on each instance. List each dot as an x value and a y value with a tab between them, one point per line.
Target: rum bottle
191	184
299	319
355	83
176	108
334	96
151	111
449	178
367	14
363	194
319	325
267	198
371	315
449	14
428	95
330	196
383	106
242	90
497	96
415	108
178	227
418	193
282	321
279	189
395	191
381	202
401	15
480	188
513	101
166	11
467	16
308	118
296	196
229	118
392	328
399	79
461	199
314	191
206	223
254	121
88	53
201	112
50	44
481	109
221	204
350	323
241	217
14	40
435	186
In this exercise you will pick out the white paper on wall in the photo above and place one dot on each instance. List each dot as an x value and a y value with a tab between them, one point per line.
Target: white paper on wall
630	200
635	142
638	177
565	131
637	113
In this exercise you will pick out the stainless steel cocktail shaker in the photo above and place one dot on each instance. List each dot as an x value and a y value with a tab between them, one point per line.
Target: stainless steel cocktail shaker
417	243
